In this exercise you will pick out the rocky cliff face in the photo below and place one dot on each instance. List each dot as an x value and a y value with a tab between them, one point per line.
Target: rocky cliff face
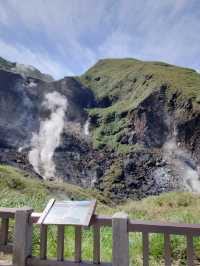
23	112
126	127
24	70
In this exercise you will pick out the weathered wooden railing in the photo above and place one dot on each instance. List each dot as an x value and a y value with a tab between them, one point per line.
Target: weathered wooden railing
6	214
120	224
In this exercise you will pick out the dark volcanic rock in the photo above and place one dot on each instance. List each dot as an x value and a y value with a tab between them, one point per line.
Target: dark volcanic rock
129	160
21	103
76	161
20	114
17	159
188	134
22	109
150	120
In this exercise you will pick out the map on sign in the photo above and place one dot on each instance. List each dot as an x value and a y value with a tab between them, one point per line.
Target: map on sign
68	212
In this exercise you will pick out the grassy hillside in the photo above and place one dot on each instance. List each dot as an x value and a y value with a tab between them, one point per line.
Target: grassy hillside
18	189
121	78
120	85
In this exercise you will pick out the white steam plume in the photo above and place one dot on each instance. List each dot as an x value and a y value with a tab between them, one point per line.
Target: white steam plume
48	139
86	127
183	164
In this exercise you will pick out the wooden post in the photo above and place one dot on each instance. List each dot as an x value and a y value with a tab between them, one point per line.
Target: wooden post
22	237
190	250
167	253
78	239
145	241
96	244
60	242
43	241
4	231
120	240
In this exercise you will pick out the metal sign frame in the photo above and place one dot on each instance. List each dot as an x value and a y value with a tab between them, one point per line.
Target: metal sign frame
86	222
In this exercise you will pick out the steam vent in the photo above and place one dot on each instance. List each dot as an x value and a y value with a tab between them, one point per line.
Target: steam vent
126	128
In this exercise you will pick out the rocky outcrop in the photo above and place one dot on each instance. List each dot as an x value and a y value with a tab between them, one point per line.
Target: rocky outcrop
132	158
22	111
149	125
24	70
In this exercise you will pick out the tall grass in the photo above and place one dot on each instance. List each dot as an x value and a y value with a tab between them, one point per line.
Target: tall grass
18	190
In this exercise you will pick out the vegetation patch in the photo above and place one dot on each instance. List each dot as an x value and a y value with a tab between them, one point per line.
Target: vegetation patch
178	207
127	83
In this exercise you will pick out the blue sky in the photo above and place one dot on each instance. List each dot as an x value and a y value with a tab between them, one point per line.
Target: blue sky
65	37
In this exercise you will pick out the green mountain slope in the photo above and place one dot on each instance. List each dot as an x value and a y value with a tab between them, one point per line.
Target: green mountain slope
121	85
116	127
119	79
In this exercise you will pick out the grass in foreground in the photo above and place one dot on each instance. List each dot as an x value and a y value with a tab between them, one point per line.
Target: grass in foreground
19	189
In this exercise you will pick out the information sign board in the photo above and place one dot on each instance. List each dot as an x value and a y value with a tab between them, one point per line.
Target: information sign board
68	212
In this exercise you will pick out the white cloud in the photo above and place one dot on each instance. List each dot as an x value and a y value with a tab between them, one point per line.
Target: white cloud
58	19
151	31
81	31
62	23
118	44
42	61
179	5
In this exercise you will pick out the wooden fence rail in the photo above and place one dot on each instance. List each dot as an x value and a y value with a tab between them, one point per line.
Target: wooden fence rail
121	227
5	215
